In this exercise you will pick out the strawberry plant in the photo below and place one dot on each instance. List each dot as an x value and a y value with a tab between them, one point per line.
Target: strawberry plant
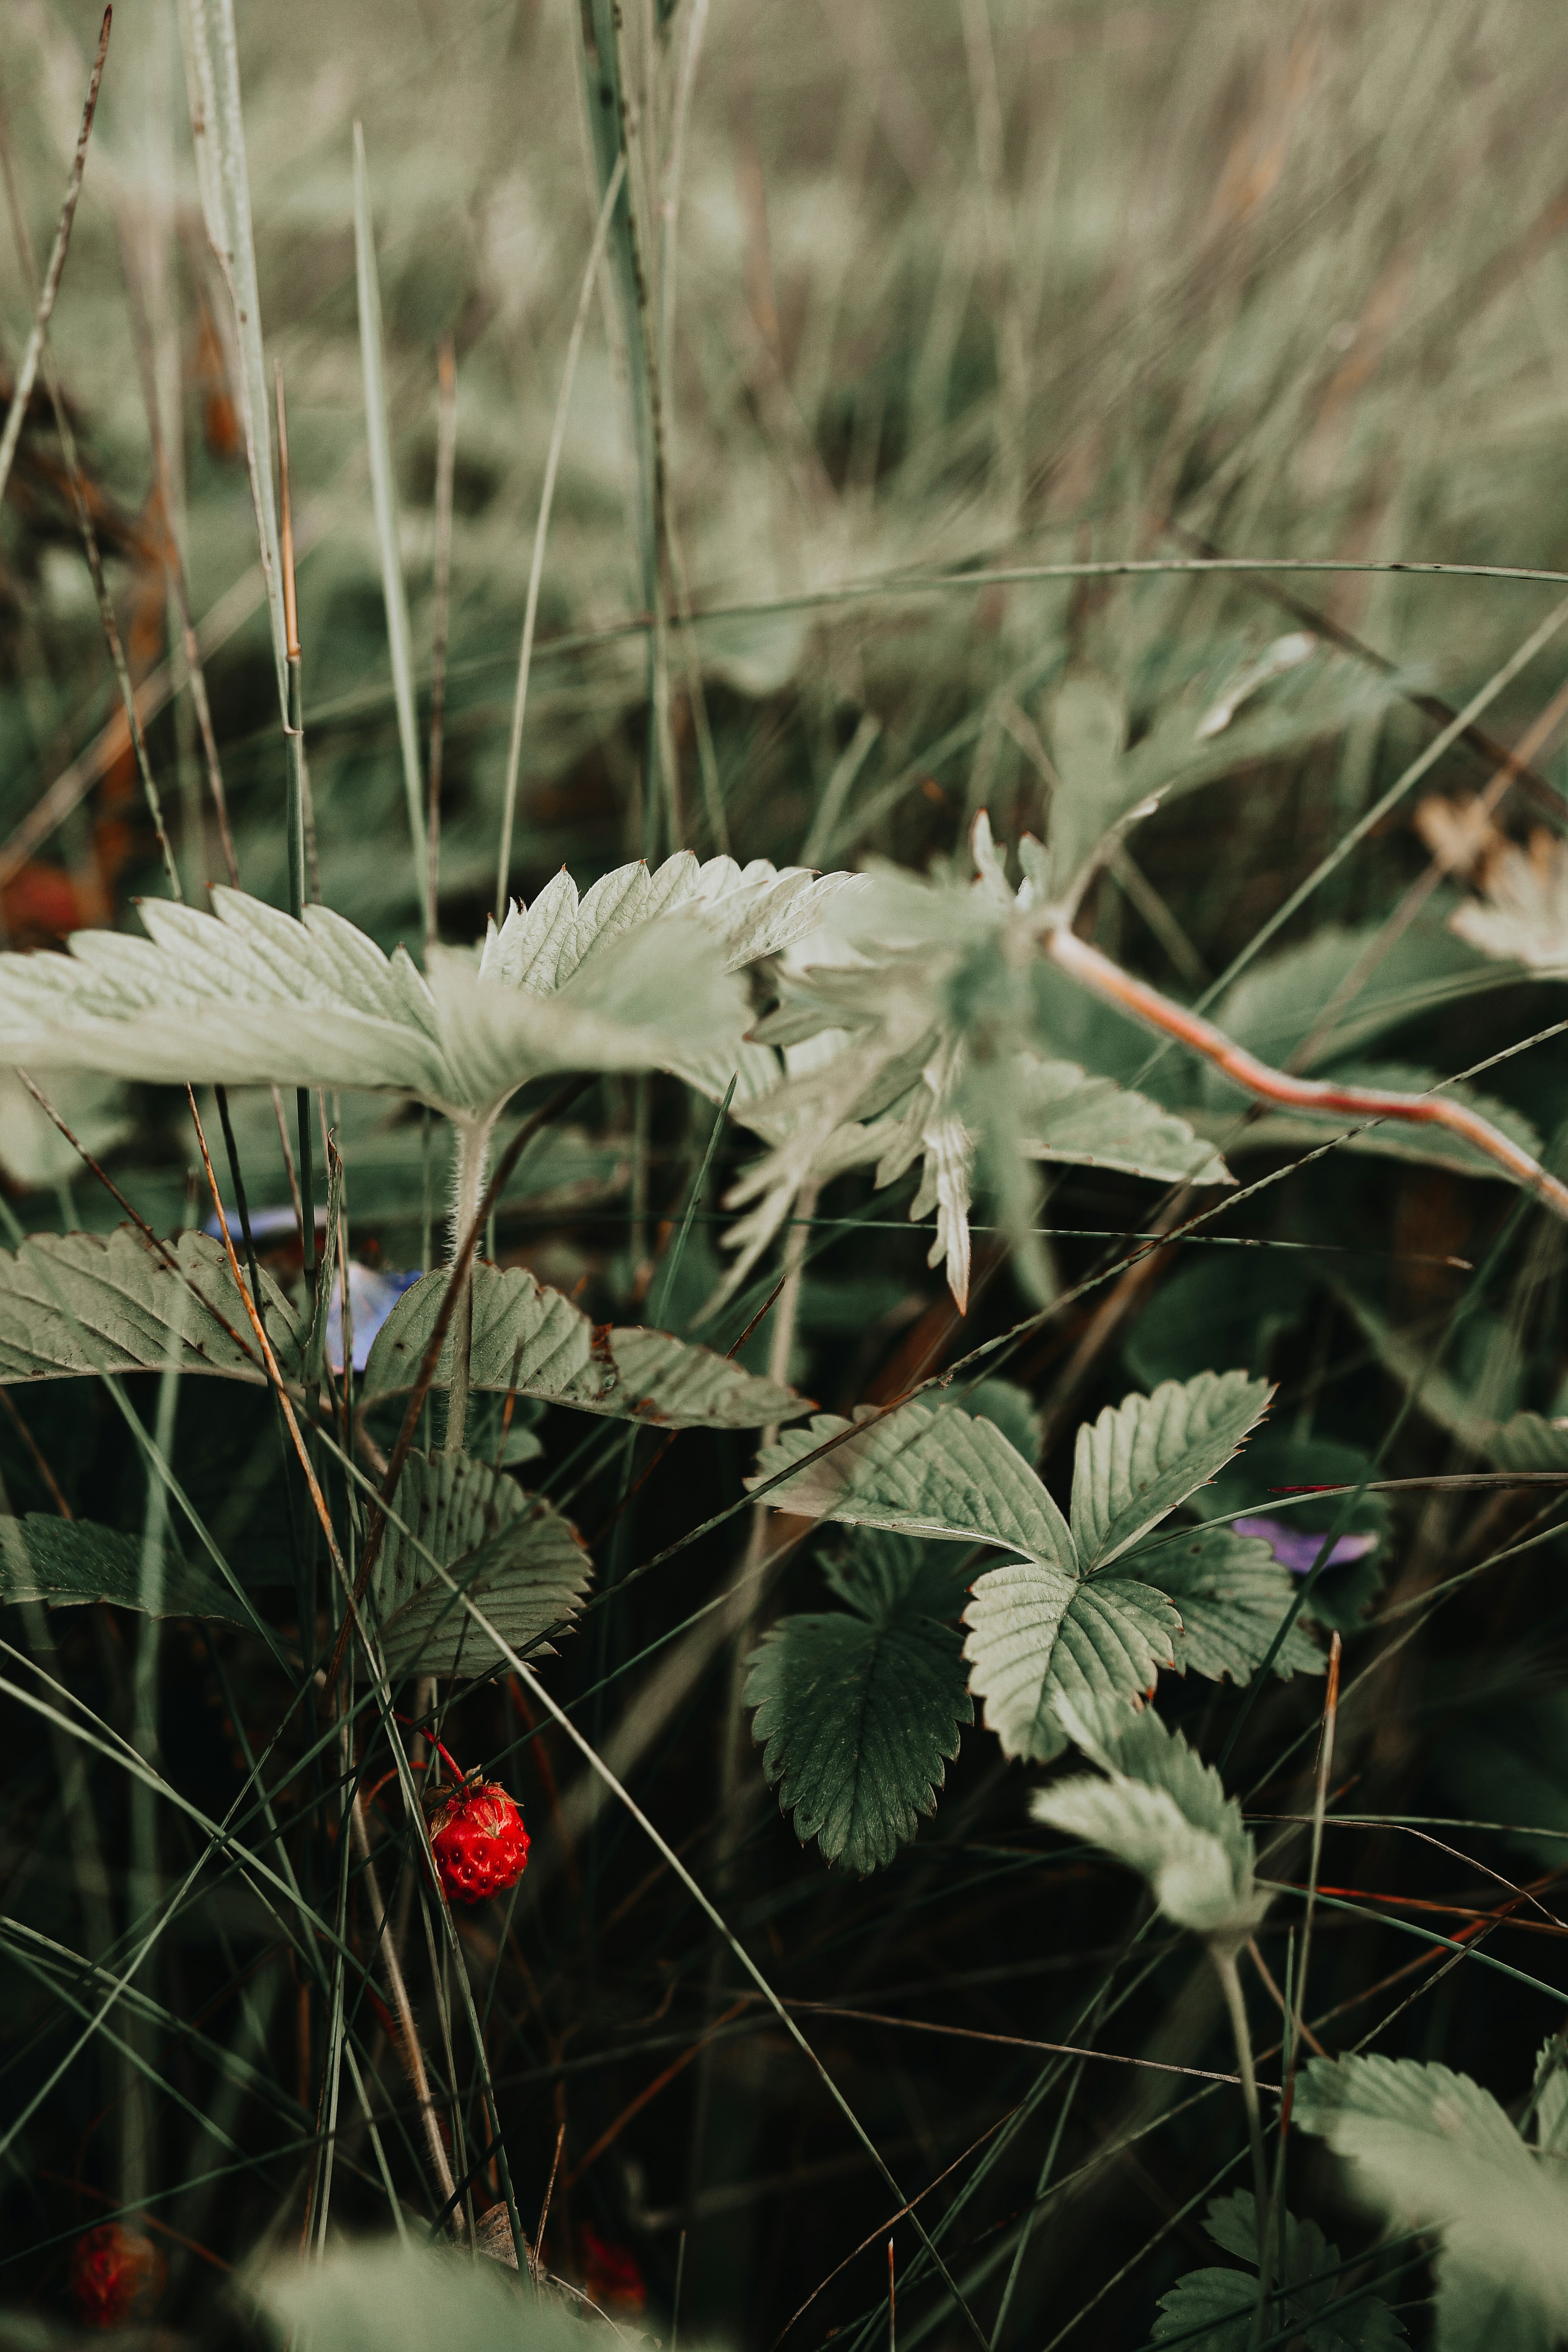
784	892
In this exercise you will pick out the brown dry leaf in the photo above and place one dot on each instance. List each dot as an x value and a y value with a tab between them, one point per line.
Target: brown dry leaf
1459	833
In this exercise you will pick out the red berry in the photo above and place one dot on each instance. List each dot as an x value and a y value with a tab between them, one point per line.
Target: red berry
478	1841
116	2274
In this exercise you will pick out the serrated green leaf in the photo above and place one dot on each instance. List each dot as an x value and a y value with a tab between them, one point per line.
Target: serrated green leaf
1222	2303
1066	1115
887	1577
1012	1410
66	1562
1038	1633
511	1554
751	912
1231	1594
858	1720
1163	1812
924	1472
76	1303
247	995
1320	2315
1431	2150
1143	1457
530	1337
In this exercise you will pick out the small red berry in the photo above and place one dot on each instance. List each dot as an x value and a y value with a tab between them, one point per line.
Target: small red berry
478	1841
116	2274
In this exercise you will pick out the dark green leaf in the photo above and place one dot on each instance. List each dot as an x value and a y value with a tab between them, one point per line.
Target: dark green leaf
511	1554
531	1339
1225	2301
76	1303
1231	1595
68	1561
860	1720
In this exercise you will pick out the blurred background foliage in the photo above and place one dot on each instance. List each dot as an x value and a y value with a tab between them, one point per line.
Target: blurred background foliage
959	287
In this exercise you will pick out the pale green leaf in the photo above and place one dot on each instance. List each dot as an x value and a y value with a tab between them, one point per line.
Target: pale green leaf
1063	1114
378	2296
1012	1410
1280	1000
1160	1811
532	1340
1038	1633
64	1562
858	1718
751	912
511	1554
1232	1595
32	1152
920	1471
247	995
1143	1457
1552	2099
1429	2149
78	1303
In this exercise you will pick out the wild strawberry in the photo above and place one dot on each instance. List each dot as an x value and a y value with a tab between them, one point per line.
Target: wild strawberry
478	1841
116	2274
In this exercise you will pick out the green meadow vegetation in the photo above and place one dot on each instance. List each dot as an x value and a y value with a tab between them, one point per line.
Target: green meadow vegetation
784	1156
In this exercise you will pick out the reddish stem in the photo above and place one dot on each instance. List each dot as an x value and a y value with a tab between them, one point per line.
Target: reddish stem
1108	980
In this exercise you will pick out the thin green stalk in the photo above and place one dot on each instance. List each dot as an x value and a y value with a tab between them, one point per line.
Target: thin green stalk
384	487
43	309
604	67
541	530
143	1890
217	135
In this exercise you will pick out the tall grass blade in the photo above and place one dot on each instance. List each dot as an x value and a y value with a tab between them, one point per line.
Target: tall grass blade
27	374
378	432
542	529
217	131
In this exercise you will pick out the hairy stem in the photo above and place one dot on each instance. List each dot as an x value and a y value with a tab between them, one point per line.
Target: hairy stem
1109	981
473	1141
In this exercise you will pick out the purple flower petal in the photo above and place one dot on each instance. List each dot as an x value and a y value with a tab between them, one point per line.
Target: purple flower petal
1297	1549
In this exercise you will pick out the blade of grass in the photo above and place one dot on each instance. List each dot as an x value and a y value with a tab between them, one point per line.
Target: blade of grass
445	465
43	310
217	134
542	529
384	487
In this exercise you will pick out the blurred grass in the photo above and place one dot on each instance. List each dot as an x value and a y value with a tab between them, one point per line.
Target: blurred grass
986	283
